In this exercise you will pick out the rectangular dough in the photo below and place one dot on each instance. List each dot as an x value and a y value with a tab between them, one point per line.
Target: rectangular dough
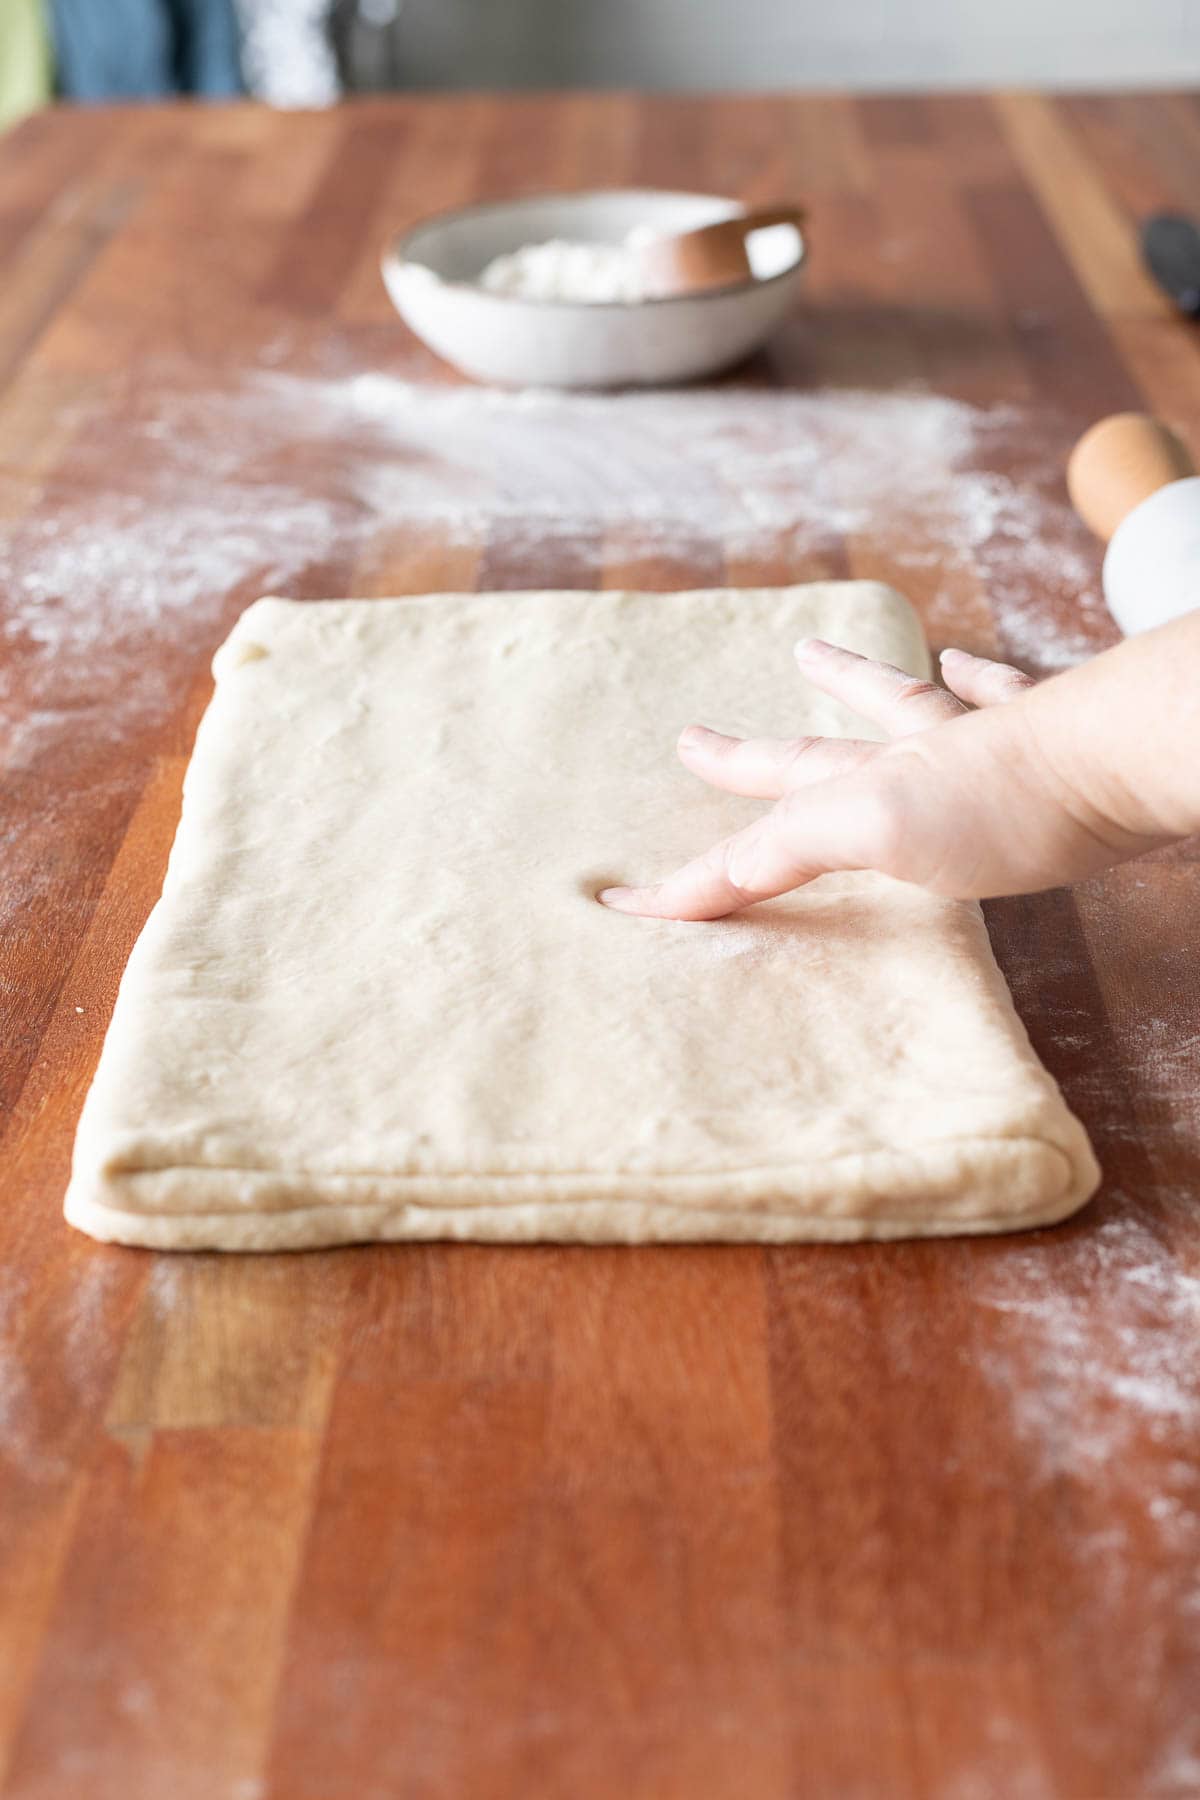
378	998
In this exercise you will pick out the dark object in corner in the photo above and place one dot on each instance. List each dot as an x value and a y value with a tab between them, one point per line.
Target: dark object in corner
1171	248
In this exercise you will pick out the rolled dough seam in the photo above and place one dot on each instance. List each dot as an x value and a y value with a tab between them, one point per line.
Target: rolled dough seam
486	1177
582	1186
596	1220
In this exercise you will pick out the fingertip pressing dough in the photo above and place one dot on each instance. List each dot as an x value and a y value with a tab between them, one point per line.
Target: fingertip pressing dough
378	998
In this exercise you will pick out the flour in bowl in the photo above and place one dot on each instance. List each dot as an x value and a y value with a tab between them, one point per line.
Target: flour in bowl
564	269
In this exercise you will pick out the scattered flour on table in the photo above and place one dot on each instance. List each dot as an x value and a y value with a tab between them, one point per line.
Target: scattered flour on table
184	495
36	1440
252	481
757	471
1088	1411
1090	1351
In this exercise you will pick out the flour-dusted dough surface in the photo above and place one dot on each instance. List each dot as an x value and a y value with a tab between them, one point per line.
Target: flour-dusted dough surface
378	999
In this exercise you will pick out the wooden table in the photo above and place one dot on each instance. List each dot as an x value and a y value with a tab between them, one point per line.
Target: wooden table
915	1520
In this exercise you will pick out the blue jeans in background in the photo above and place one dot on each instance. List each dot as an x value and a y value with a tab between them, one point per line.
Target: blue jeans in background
145	49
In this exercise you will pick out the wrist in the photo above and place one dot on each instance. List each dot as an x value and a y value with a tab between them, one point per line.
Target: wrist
993	810
1083	777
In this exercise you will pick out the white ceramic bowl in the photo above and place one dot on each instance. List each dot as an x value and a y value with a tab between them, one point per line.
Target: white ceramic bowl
432	276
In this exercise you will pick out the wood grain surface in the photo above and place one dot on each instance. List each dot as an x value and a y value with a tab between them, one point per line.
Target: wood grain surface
907	1521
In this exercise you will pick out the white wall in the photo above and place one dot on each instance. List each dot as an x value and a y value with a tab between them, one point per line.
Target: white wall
801	43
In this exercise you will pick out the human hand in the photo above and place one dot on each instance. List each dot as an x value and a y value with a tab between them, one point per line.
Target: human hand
952	802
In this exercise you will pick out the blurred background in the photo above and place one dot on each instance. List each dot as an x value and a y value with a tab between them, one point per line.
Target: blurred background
310	52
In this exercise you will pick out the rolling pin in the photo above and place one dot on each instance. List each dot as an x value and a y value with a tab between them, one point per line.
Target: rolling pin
1134	483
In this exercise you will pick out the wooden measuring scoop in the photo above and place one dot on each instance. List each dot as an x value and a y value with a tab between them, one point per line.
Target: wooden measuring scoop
711	256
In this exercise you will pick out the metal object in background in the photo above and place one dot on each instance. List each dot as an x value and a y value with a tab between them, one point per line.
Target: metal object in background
464	43
367	42
1171	248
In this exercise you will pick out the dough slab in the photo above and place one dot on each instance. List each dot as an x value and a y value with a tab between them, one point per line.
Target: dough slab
378	998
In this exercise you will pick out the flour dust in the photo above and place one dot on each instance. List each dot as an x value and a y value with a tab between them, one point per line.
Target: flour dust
186	496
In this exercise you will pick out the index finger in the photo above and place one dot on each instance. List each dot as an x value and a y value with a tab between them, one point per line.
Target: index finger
809	833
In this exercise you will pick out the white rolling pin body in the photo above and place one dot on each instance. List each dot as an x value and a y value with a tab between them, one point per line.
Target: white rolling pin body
1152	565
1133	481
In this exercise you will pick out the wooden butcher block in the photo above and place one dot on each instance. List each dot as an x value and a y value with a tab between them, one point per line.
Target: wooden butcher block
910	1520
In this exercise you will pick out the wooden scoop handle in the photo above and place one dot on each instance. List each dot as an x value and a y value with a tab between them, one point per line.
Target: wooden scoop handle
1119	463
759	217
713	255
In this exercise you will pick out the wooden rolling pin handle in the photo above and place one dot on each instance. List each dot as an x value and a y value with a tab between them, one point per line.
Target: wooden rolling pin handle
1119	463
